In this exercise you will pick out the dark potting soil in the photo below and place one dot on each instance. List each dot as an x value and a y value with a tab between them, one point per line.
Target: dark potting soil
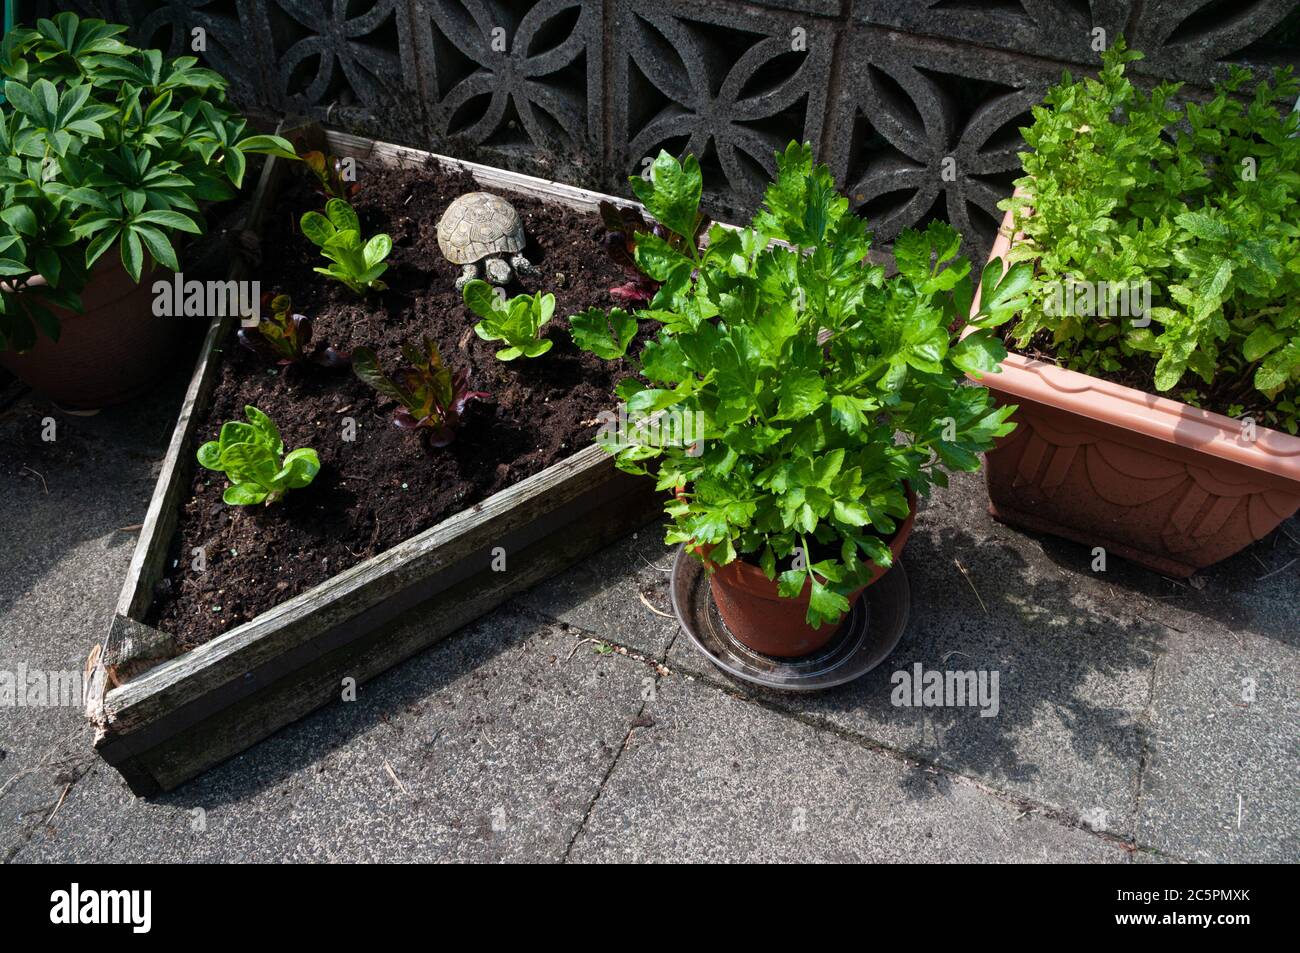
387	484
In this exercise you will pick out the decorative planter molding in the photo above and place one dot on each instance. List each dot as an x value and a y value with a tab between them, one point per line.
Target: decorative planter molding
1169	486
161	718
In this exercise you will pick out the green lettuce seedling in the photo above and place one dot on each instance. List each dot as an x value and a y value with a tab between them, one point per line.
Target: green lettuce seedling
338	235
251	455
516	321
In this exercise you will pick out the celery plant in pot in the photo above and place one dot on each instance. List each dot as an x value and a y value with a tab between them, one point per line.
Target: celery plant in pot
803	397
107	154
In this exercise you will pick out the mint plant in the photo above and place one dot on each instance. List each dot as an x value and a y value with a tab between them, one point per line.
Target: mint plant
517	321
800	363
284	337
429	395
337	233
103	146
252	457
1197	200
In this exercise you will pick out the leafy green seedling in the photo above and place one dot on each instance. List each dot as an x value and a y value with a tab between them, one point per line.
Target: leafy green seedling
338	235
251	455
516	321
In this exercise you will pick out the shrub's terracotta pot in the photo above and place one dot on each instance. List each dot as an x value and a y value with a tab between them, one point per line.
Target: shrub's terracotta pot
761	619
1169	486
110	353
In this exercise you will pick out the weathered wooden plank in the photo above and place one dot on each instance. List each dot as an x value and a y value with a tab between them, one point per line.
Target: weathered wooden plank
547	190
136	648
381	578
160	520
273	700
148	559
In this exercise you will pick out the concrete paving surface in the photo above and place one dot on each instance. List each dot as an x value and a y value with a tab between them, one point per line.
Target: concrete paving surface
1137	718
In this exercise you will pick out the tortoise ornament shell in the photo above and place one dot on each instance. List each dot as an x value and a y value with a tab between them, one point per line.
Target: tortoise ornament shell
479	224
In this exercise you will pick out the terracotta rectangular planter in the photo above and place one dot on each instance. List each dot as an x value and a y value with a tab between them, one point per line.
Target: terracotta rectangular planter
1166	485
162	717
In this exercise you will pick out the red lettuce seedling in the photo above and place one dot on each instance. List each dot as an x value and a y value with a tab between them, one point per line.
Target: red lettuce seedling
284	336
623	226
431	395
328	173
619	242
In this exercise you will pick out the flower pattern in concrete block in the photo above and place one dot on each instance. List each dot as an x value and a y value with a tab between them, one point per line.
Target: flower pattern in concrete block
517	78
730	84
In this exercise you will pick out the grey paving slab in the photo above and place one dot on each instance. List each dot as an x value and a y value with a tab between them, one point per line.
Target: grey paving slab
1074	668
487	747
719	778
608	593
1223	776
66	508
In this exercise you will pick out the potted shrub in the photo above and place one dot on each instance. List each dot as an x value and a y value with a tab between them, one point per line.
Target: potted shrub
106	153
1157	363
802	399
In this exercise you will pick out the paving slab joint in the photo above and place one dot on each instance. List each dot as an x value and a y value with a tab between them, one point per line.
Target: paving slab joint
1026	805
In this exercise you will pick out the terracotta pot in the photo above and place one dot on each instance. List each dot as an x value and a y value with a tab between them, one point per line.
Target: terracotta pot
761	619
1169	486
110	353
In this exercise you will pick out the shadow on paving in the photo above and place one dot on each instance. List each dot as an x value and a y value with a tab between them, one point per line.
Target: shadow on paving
64	549
1074	669
1049	646
82	484
488	747
1252	591
620	593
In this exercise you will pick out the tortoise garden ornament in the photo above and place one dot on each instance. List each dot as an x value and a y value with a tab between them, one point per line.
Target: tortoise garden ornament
483	229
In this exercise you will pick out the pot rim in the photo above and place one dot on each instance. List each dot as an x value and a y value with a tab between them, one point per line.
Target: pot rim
1160	418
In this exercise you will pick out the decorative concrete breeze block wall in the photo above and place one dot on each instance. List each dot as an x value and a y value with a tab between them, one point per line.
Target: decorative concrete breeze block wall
915	104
